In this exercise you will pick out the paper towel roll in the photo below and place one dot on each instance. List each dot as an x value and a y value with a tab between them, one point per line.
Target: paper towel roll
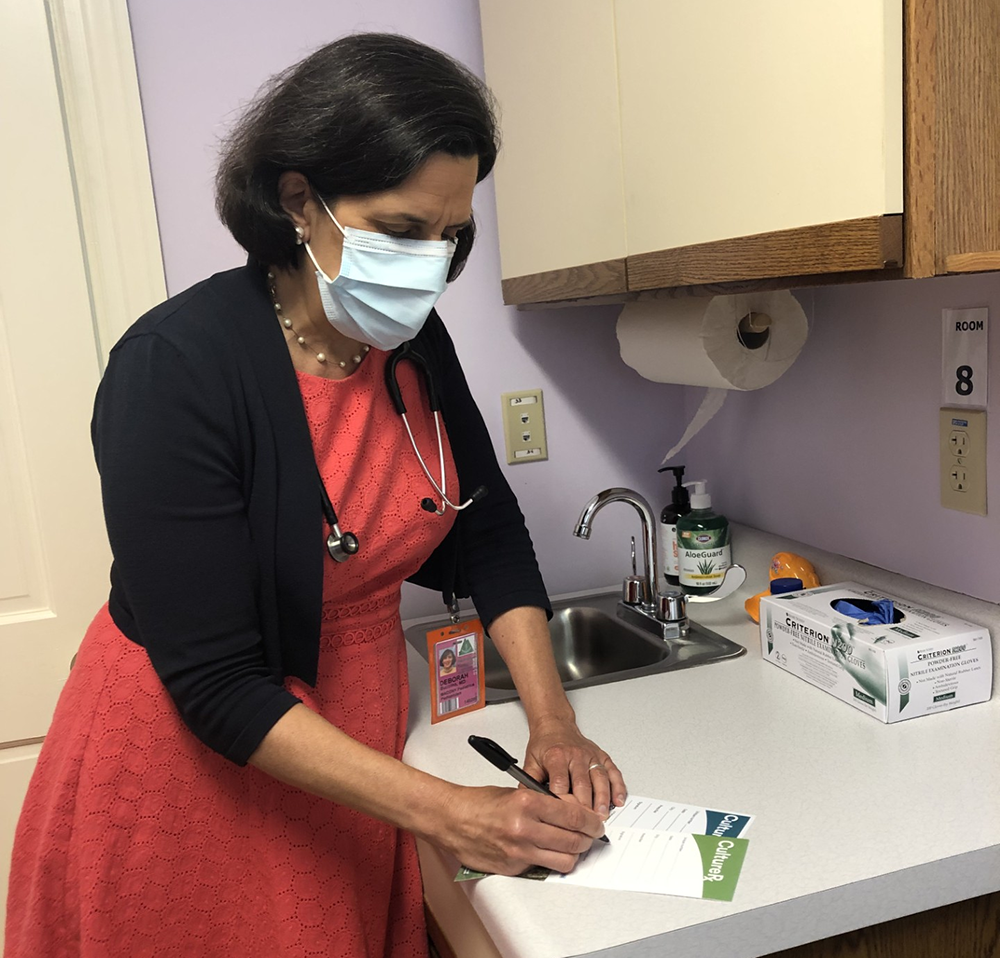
699	341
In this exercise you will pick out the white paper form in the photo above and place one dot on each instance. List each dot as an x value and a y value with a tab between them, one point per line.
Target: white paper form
661	847
663	863
664	815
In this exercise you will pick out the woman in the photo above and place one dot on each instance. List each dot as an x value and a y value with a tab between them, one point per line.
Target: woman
446	662
223	775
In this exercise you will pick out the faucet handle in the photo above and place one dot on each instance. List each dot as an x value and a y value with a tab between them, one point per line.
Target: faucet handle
671	606
634	586
634	590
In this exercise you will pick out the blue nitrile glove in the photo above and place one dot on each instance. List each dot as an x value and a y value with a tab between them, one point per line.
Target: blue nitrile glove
883	614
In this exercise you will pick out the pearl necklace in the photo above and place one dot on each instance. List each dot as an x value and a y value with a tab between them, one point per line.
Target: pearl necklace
301	340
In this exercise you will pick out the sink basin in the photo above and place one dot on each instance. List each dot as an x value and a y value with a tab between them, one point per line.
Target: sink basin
592	646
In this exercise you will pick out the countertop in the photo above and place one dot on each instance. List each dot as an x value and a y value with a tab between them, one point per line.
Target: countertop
857	822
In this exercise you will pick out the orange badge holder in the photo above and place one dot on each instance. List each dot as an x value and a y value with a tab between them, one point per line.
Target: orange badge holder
455	666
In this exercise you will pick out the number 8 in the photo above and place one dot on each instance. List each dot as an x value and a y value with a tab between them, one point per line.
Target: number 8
964	385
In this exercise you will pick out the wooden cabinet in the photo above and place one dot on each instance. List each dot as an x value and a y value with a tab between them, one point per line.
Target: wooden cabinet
967	929
659	143
553	68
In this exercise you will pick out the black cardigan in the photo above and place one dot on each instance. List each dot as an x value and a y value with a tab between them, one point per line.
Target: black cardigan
213	508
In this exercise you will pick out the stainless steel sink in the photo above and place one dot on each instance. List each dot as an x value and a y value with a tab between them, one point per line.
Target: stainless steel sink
593	646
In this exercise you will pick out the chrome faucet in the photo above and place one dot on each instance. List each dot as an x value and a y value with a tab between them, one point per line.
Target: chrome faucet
649	607
650	559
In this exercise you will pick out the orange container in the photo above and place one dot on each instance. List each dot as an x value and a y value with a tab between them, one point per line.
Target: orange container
784	565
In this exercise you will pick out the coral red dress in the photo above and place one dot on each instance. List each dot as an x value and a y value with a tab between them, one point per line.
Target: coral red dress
137	840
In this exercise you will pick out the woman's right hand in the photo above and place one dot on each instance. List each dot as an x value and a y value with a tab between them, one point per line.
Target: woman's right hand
503	831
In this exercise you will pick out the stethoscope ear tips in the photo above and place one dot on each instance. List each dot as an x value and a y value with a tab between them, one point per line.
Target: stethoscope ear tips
427	504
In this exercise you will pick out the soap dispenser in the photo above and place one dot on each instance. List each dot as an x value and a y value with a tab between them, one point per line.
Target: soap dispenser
703	548
680	505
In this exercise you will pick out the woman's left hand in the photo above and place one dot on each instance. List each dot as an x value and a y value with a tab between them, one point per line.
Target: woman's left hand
574	765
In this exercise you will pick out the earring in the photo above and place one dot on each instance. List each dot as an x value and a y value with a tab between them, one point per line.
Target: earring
299	234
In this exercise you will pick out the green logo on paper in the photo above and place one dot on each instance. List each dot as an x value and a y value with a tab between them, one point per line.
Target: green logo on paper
721	861
466	647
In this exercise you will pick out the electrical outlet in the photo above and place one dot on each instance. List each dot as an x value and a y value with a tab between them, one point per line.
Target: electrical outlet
524	426
963	459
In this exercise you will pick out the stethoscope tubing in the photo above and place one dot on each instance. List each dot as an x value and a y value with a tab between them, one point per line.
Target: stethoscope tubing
441	489
342	545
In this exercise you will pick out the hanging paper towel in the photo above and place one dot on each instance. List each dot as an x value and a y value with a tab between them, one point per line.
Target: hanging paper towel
742	342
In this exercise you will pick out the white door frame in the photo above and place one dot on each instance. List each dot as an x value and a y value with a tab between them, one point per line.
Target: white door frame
109	166
110	161
121	272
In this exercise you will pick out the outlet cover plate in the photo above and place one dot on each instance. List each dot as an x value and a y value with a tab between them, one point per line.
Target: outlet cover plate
524	426
963	459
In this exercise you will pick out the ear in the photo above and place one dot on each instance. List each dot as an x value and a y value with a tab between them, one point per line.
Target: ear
296	198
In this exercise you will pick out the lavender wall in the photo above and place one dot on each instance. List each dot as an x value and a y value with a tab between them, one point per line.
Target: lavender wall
199	62
842	451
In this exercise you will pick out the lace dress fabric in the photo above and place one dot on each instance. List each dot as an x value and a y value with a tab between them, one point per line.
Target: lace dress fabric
136	839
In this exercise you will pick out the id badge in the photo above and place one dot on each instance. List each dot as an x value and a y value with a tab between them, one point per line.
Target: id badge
455	660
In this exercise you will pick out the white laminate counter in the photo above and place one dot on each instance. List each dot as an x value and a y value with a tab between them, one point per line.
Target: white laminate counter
857	822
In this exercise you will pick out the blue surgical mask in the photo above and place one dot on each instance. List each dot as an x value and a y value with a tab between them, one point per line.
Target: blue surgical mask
386	286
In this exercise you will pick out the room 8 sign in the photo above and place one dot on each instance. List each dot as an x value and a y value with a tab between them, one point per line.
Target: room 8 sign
964	367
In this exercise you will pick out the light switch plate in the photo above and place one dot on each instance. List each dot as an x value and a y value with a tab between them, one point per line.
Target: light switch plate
963	459
524	426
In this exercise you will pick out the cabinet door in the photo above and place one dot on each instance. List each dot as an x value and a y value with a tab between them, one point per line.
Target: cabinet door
742	117
552	68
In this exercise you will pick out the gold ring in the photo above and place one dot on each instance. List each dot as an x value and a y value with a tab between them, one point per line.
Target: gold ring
596	765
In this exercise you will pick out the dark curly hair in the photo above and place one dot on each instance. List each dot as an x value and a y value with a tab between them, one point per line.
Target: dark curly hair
357	116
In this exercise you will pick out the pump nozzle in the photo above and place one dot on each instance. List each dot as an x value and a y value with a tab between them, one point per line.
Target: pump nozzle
700	499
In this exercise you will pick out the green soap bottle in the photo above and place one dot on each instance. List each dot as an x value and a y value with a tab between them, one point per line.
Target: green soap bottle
703	549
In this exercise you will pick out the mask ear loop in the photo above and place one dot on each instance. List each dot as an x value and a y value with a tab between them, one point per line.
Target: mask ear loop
336	222
319	269
309	252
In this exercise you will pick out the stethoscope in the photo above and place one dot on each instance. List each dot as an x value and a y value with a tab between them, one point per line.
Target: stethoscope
342	545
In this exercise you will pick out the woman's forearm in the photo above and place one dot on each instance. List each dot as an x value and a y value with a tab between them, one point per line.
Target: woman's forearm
493	829
521	636
557	749
306	751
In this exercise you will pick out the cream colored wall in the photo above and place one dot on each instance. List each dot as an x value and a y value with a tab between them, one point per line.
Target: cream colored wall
558	180
740	118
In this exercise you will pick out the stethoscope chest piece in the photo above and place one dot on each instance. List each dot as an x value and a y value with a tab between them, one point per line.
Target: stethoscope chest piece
341	545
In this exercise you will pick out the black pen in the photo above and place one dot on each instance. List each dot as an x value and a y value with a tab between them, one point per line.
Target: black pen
507	763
